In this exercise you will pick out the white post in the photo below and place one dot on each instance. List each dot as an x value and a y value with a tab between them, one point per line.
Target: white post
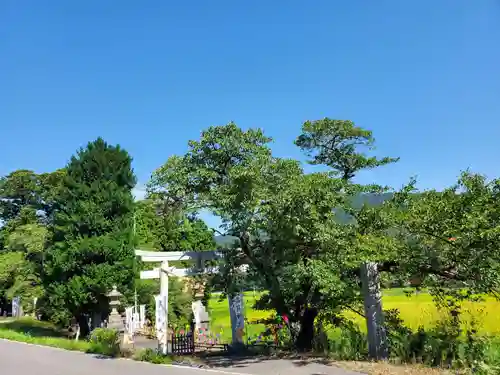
35	300
142	315
164	294
129	321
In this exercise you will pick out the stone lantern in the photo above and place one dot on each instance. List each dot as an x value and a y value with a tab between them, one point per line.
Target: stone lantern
115	320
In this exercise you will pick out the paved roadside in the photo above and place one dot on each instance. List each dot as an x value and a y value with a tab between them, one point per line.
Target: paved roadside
19	358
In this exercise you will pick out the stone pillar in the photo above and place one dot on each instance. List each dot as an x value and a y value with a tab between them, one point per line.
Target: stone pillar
236	310
377	338
164	306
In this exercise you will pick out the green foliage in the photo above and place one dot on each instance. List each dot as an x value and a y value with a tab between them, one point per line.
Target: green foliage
19	189
92	238
152	356
179	300
21	264
160	228
336	143
105	341
285	222
348	344
449	238
26	198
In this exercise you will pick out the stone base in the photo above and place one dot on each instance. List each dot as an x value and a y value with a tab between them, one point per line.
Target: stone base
115	321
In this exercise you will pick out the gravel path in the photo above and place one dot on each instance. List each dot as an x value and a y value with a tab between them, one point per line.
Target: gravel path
19	358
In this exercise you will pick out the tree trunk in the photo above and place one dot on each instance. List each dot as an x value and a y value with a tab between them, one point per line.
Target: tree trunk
83	323
306	333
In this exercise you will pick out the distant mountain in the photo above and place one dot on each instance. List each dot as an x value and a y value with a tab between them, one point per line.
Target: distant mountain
224	242
371	199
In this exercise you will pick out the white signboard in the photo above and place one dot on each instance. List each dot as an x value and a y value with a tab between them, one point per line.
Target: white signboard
129	320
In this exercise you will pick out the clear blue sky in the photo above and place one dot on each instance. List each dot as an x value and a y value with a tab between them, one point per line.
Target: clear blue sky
150	75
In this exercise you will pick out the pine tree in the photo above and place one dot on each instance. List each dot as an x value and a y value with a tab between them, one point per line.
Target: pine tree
92	247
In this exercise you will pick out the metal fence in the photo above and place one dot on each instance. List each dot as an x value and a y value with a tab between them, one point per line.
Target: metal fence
183	343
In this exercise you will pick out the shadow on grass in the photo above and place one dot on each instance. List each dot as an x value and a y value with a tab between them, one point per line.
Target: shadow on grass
33	328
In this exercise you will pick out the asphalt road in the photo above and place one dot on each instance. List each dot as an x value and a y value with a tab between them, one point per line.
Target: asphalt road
24	359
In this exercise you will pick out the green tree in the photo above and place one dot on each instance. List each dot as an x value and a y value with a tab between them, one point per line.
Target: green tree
21	263
179	300
285	221
146	224
19	201
29	240
18	190
450	238
49	188
27	198
337	144
168	230
92	241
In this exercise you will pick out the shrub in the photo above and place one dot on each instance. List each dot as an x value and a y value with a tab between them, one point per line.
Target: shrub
151	356
105	341
348	343
446	345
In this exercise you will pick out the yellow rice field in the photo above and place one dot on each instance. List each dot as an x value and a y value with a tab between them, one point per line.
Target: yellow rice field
416	310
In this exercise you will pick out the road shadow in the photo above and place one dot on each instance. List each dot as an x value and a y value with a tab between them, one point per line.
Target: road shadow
241	361
308	364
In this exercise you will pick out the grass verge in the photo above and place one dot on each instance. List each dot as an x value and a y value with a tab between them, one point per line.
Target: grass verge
40	333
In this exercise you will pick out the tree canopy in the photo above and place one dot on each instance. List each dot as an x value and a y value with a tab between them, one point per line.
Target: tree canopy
284	220
92	239
338	144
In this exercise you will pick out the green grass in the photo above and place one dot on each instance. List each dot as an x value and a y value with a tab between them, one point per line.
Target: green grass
41	333
221	321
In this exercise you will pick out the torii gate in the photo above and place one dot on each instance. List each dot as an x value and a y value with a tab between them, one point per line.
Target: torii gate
162	273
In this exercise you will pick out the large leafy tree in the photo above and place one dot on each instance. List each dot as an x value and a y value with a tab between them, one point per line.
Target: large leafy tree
286	223
92	236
